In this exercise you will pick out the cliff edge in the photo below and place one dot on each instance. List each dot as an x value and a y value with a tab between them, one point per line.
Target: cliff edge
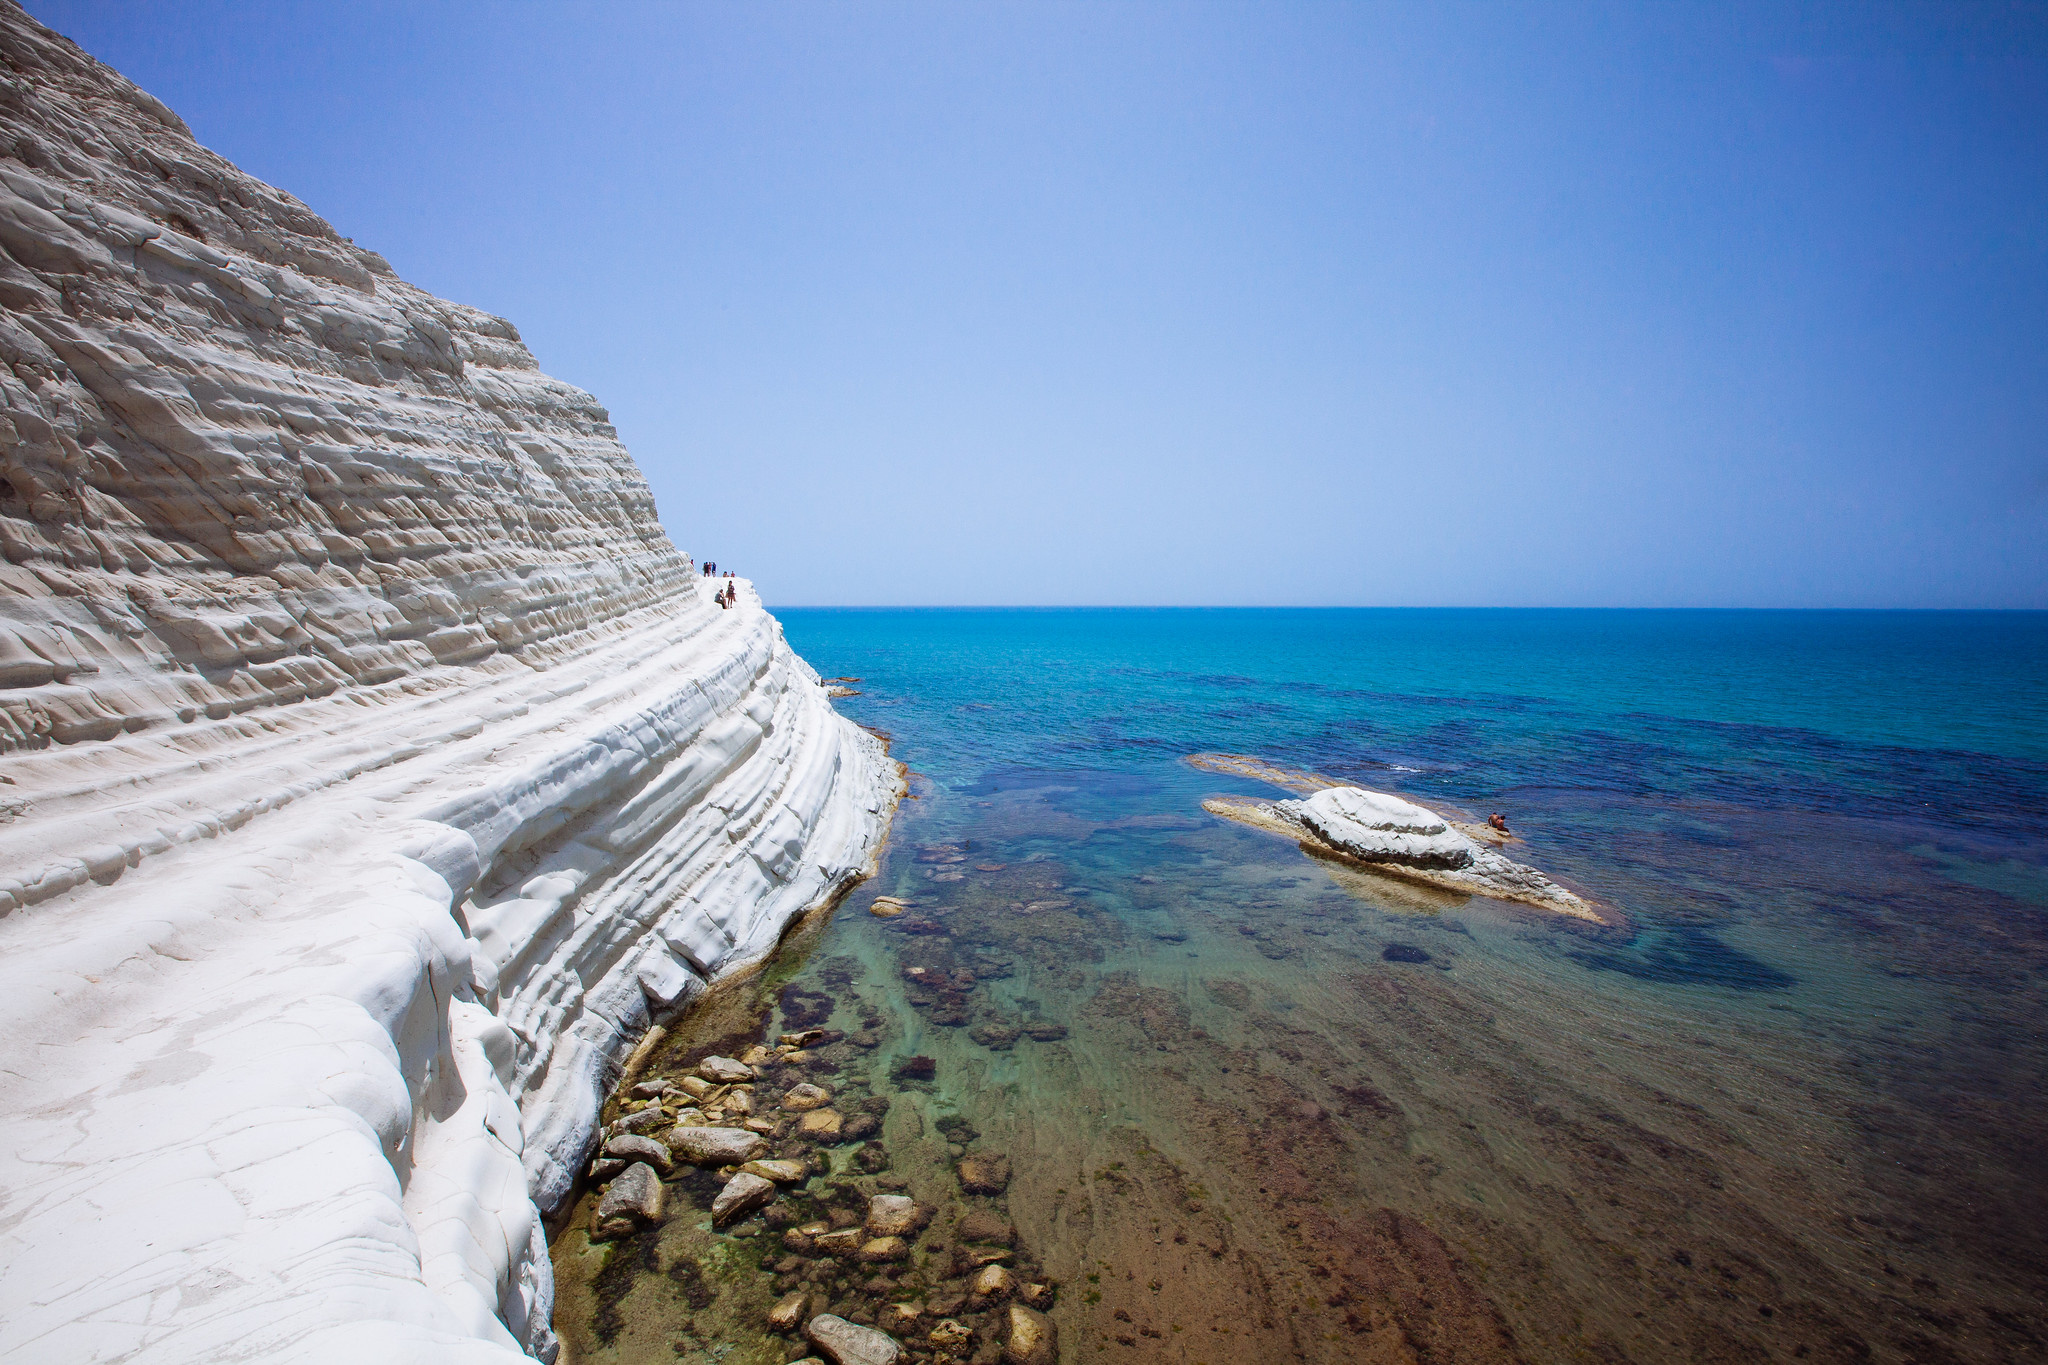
373	769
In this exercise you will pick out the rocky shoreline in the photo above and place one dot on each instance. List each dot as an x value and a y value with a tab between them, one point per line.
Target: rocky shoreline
808	1216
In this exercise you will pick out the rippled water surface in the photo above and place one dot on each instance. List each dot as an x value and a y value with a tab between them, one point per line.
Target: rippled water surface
1257	1107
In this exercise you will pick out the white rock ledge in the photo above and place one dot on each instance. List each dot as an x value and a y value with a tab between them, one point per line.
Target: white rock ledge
372	770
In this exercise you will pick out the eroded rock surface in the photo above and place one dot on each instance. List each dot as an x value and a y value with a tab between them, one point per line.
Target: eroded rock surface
372	768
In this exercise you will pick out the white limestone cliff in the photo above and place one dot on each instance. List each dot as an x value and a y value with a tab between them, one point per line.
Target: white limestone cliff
372	769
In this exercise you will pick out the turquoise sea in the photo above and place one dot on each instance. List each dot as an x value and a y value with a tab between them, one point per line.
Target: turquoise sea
1259	1107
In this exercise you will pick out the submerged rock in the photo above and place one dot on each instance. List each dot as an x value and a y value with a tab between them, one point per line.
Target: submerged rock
948	1335
822	1125
716	1146
893	1215
1032	1338
992	1283
995	1037
849	1343
984	1173
840	1242
790	1312
742	1194
804	1096
900	1318
981	1225
878	1249
635	1147
641	1121
637	1198
724	1070
781	1172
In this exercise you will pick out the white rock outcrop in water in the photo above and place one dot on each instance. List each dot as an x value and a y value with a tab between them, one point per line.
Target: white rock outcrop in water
1384	829
372	769
1380	829
1383	832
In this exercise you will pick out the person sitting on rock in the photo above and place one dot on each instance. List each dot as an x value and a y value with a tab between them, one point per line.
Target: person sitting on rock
1498	821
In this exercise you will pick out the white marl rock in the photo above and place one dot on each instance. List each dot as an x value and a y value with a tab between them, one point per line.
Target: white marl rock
1392	832
372	769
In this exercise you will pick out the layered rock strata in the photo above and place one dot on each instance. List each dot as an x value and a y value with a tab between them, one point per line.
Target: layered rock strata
373	769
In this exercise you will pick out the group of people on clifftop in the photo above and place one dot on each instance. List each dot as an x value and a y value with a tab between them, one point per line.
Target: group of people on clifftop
727	596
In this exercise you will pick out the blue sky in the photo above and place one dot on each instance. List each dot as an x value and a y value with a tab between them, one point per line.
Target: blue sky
1569	304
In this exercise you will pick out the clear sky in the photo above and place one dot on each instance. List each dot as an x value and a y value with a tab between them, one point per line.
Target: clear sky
1569	304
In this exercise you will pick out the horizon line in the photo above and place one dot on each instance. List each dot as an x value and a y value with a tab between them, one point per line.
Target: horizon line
1326	606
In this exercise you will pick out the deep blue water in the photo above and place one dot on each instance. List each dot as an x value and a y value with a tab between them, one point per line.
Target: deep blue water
1934	716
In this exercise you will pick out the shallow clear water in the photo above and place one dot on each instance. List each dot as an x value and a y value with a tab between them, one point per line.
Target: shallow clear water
1792	1110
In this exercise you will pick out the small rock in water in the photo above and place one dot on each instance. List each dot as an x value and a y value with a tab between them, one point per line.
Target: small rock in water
648	1090
724	1070
842	1242
742	1194
994	1037
995	1282
900	1318
1403	952
758	1055
642	1121
984	1173
916	1069
635	1147
634	1200
893	1215
887	907
781	1172
1033	1339
1038	1296
849	1343
789	1312
716	1146
980	1225
949	1335
879	1249
605	1167
862	1126
804	1096
822	1124
696	1087
1046	1033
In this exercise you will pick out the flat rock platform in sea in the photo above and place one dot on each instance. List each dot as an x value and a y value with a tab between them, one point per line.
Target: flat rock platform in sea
372	769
